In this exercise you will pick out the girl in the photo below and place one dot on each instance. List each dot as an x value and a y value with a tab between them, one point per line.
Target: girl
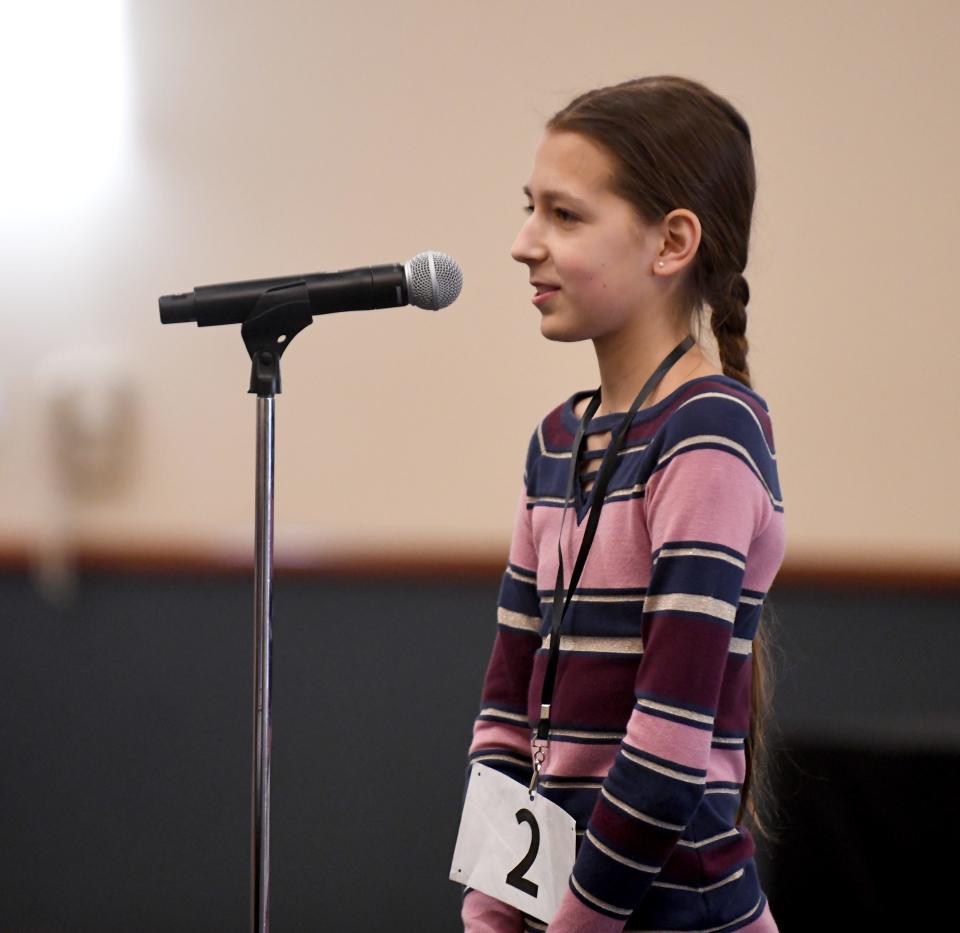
641	198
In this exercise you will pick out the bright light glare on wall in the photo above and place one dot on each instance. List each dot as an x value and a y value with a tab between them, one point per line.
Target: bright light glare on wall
63	101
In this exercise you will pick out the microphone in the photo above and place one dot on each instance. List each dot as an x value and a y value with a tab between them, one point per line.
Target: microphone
429	280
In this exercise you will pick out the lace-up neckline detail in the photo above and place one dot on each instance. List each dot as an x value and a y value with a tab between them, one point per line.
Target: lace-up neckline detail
598	433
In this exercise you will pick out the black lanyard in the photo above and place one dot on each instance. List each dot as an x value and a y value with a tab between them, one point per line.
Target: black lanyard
607	466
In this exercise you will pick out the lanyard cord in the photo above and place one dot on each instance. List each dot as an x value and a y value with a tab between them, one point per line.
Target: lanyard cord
542	732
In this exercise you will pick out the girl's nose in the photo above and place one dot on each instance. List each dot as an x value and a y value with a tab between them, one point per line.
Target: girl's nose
527	247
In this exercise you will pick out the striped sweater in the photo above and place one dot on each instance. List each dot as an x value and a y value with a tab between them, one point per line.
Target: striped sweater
652	698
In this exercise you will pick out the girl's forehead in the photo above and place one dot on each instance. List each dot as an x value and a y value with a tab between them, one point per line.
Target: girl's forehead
570	163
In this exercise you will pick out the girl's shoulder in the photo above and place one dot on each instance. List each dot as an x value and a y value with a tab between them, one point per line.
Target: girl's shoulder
719	405
718	414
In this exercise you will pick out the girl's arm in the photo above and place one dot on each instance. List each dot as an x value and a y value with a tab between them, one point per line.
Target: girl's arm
501	732
704	504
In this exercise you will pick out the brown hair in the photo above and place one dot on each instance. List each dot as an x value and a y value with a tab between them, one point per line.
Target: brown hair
676	144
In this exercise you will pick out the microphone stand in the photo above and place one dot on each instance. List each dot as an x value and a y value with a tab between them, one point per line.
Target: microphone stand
279	315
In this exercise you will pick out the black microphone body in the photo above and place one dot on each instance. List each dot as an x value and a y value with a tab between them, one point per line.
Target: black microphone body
366	288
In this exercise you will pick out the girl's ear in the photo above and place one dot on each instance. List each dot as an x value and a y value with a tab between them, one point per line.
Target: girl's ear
680	233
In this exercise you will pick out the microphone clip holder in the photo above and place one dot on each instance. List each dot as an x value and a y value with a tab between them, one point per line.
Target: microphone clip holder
278	316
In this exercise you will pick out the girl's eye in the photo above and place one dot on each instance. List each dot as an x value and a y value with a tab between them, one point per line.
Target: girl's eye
565	216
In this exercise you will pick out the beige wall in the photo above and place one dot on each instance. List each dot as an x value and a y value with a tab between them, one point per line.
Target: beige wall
266	138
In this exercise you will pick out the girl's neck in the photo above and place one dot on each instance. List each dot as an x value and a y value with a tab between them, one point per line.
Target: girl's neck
626	360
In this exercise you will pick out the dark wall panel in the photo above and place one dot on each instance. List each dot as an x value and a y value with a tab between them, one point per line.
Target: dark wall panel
125	730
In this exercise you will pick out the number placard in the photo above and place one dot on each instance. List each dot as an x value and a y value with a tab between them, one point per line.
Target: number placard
518	850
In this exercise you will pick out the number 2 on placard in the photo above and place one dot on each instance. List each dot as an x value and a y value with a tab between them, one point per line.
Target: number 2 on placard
515	876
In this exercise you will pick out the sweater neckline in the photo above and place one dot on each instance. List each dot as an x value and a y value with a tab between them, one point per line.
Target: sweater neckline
607	422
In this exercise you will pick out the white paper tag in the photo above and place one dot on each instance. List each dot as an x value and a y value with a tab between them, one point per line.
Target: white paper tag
518	850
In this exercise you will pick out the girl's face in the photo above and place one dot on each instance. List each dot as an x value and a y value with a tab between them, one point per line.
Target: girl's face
585	241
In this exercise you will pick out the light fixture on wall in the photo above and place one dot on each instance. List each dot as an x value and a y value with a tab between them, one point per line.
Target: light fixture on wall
88	406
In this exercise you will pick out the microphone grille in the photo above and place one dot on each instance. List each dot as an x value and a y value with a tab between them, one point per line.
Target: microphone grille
434	280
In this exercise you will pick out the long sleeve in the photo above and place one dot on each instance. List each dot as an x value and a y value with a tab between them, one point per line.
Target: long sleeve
704	503
501	733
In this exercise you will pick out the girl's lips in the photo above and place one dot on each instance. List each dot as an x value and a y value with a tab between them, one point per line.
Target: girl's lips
541	297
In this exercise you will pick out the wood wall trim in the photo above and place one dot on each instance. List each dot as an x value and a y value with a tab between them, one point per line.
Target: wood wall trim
425	566
434	566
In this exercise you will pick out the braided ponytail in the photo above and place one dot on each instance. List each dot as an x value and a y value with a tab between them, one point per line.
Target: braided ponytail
728	321
728	298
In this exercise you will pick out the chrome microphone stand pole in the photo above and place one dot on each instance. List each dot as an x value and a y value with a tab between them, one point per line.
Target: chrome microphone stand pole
262	635
278	317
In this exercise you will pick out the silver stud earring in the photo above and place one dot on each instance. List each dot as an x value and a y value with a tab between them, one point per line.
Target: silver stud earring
659	263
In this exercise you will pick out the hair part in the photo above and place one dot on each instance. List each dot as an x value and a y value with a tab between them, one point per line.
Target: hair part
677	144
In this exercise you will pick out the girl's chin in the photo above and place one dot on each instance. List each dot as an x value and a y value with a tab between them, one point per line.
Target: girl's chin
553	329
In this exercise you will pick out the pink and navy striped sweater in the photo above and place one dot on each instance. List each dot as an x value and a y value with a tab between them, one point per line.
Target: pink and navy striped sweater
652	699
